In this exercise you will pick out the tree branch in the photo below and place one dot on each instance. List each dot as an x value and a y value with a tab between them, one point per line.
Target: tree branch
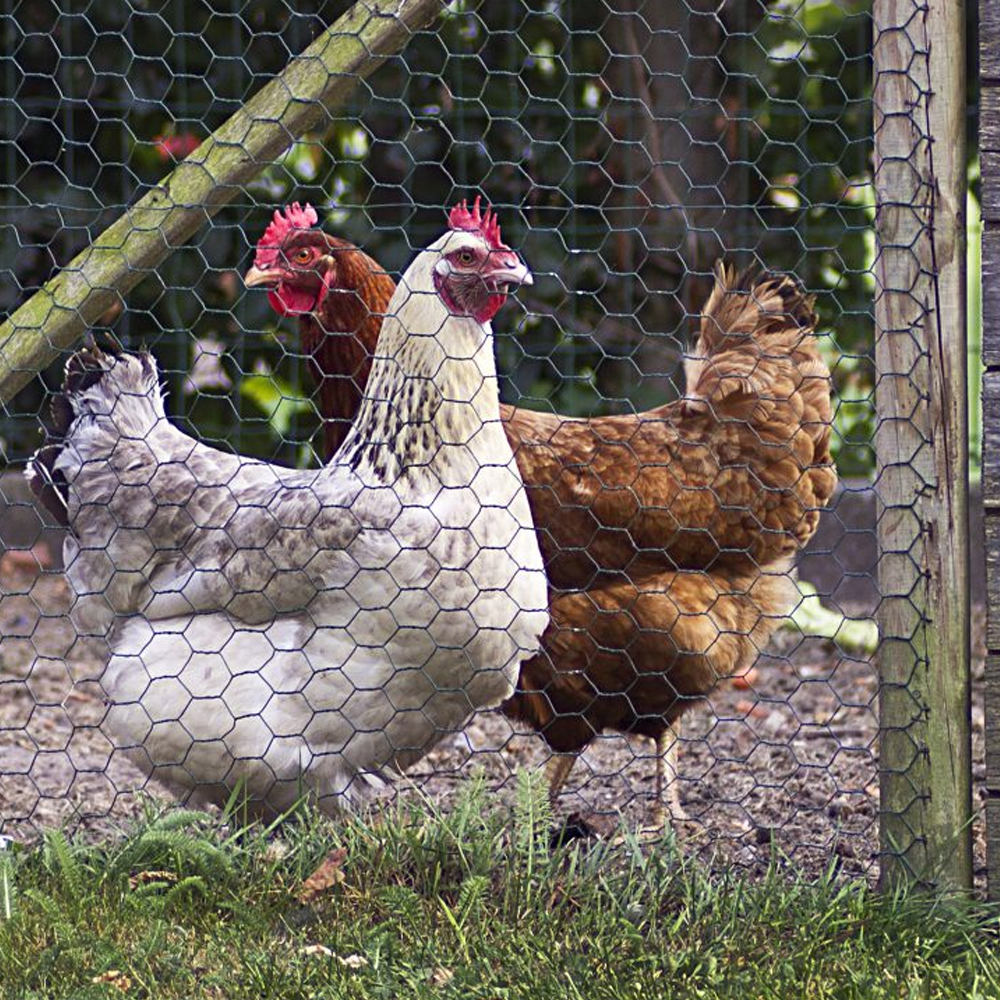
311	86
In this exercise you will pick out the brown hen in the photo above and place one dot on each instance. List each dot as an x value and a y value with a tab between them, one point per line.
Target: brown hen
668	535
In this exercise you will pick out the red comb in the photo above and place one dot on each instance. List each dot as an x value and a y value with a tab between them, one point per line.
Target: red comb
294	217
485	224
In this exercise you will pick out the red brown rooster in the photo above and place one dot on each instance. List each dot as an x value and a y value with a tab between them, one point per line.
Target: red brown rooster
667	535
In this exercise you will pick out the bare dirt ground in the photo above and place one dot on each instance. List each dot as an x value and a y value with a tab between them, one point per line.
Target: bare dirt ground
785	767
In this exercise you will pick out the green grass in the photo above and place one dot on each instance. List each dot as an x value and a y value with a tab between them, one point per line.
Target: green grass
472	904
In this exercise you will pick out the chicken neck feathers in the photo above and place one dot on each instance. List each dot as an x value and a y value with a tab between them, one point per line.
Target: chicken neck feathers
347	329
735	473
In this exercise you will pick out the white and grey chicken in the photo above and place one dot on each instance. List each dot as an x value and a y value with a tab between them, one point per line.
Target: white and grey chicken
290	631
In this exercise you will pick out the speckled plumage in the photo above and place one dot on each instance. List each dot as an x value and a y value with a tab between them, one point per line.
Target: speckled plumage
301	630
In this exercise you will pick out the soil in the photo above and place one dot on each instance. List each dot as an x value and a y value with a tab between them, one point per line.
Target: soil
783	766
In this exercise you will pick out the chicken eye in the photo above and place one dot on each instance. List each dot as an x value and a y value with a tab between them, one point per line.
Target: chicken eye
302	256
466	257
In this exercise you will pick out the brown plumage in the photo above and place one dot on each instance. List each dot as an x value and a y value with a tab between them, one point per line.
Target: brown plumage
667	535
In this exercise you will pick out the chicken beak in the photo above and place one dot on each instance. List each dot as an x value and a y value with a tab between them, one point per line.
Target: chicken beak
511	272
258	277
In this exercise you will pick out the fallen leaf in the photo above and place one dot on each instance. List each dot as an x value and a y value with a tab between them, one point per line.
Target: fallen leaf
353	961
442	976
745	681
115	978
315	949
327	875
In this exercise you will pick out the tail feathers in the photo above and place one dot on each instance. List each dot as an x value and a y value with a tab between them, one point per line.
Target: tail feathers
750	303
756	348
106	394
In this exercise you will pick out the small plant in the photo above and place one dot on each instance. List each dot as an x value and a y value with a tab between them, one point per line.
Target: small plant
471	902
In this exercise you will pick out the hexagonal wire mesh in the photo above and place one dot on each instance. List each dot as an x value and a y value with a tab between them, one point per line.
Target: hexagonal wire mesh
626	148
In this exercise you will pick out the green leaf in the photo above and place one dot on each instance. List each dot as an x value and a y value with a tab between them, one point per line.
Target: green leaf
277	399
812	618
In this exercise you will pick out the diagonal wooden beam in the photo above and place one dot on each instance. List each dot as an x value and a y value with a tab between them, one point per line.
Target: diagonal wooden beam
312	85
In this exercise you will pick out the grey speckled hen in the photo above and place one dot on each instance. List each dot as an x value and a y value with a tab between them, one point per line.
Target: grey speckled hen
318	630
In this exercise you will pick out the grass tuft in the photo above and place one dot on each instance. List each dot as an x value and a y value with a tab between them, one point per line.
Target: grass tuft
472	903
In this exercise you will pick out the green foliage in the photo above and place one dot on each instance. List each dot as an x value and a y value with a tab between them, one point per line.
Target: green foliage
762	115
810	617
521	101
472	904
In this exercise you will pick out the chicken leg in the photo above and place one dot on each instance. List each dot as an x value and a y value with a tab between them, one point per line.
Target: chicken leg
667	806
557	769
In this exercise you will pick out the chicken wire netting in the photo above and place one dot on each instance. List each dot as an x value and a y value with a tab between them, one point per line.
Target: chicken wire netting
625	148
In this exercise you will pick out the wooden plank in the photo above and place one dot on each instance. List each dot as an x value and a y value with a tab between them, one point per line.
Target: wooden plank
989	37
989	46
312	84
989	129
991	291
992	540
992	711
922	444
991	446
989	117
990	166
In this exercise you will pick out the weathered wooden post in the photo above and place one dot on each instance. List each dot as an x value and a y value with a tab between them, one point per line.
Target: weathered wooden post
311	85
989	143
922	442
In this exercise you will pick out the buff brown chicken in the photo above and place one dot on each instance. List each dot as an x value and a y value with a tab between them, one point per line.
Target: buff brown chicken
668	536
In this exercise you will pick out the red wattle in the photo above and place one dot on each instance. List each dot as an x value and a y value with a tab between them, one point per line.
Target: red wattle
289	301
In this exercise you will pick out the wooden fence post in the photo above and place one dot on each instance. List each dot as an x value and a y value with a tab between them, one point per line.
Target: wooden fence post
922	442
310	86
989	143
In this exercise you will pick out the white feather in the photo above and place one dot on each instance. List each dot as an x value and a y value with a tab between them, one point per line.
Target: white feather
307	630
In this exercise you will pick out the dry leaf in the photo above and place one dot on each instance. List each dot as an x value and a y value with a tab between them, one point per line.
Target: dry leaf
442	976
315	949
745	681
115	978
325	877
144	878
353	961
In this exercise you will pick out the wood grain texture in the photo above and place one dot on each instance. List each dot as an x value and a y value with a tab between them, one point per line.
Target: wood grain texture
992	714
989	117
991	450
991	292
922	444
989	43
312	85
992	530
990	165
989	37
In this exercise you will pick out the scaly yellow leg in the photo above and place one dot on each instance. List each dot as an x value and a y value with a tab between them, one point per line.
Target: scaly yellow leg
668	806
